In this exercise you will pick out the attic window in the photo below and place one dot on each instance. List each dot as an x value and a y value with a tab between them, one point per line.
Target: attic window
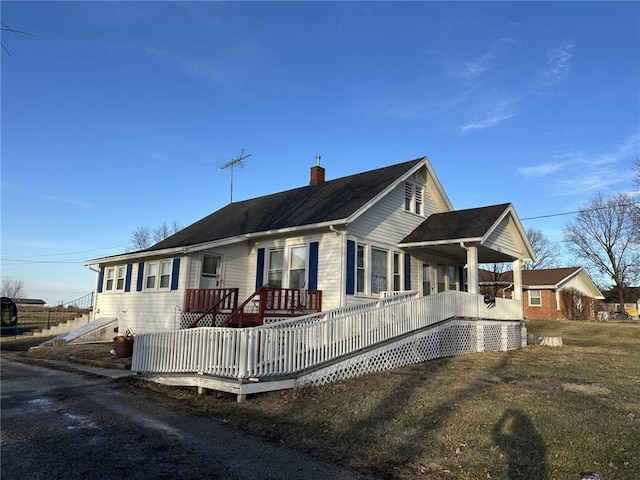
413	198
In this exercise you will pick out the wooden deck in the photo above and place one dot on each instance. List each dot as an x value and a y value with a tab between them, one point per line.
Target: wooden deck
219	306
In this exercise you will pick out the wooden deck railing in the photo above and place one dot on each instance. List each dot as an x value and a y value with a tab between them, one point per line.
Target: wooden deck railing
276	302
199	300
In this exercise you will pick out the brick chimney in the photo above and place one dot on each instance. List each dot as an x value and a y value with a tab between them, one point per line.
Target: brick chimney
317	173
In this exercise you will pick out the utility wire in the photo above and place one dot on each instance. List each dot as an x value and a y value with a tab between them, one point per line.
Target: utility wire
578	211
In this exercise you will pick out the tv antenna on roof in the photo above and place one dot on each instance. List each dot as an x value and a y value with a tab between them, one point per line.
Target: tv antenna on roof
233	162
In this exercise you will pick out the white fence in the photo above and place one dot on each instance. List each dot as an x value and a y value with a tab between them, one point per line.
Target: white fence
287	347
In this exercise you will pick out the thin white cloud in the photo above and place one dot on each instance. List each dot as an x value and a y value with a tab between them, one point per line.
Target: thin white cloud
472	69
44	196
541	170
558	64
581	172
492	113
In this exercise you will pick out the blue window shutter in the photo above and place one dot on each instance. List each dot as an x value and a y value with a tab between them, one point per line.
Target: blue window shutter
407	271
127	278
351	267
175	274
260	268
313	265
140	277
100	279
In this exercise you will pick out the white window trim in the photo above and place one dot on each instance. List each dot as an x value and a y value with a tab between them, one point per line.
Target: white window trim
220	275
111	288
123	269
156	287
538	297
286	263
367	250
290	268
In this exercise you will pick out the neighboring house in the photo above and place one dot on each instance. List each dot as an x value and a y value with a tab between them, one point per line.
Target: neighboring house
549	294
631	305
340	242
29	302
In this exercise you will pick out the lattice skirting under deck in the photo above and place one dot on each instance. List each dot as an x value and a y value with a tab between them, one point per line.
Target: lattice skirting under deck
457	337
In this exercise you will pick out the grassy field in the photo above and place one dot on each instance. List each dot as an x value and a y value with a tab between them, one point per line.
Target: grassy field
539	412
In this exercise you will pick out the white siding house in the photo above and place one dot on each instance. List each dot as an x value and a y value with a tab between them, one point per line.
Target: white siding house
351	238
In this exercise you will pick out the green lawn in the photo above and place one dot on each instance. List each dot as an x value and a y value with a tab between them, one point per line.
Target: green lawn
538	413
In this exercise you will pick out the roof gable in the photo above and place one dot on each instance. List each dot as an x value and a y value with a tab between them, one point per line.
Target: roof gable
332	201
472	223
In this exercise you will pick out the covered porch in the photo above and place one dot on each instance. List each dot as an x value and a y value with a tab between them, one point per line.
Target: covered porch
485	235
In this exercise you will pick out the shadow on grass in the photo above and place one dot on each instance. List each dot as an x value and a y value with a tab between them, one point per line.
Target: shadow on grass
516	436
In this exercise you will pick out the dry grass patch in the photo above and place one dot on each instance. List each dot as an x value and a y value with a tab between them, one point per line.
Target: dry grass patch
539	412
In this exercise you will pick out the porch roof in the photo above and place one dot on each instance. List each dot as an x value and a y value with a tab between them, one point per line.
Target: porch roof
449	231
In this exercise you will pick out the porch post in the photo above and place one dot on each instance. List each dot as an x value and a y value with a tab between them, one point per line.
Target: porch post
517	279
472	269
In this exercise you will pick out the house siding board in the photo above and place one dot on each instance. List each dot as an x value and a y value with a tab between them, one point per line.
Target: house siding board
387	223
145	311
503	238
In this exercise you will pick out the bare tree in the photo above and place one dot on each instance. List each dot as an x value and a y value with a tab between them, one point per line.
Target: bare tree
143	237
604	235
636	177
496	278
140	238
547	253
12	287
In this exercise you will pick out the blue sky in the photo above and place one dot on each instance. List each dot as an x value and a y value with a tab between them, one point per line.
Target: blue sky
116	115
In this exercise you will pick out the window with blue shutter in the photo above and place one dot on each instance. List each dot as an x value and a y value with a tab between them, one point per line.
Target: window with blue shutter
127	278
100	279
313	265
175	274
351	267
140	282
260	268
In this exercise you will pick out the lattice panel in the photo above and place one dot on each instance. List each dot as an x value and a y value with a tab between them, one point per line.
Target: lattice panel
187	319
458	337
492	337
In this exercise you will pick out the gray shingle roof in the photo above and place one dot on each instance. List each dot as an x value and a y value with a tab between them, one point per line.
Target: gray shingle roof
459	224
332	200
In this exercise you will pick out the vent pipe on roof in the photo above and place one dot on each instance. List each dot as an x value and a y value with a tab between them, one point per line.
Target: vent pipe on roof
317	173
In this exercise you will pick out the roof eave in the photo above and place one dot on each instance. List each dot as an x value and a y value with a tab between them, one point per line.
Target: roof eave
132	255
435	243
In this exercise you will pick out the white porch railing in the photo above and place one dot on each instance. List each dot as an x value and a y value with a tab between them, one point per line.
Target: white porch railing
287	347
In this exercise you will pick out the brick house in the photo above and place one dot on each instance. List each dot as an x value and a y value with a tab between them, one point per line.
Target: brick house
545	292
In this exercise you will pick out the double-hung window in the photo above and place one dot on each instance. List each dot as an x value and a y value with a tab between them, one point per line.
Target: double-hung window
413	201
426	279
360	271
452	277
378	271
276	257
397	277
442	280
297	266
152	273
535	298
120	278
210	277
165	274
158	275
111	273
